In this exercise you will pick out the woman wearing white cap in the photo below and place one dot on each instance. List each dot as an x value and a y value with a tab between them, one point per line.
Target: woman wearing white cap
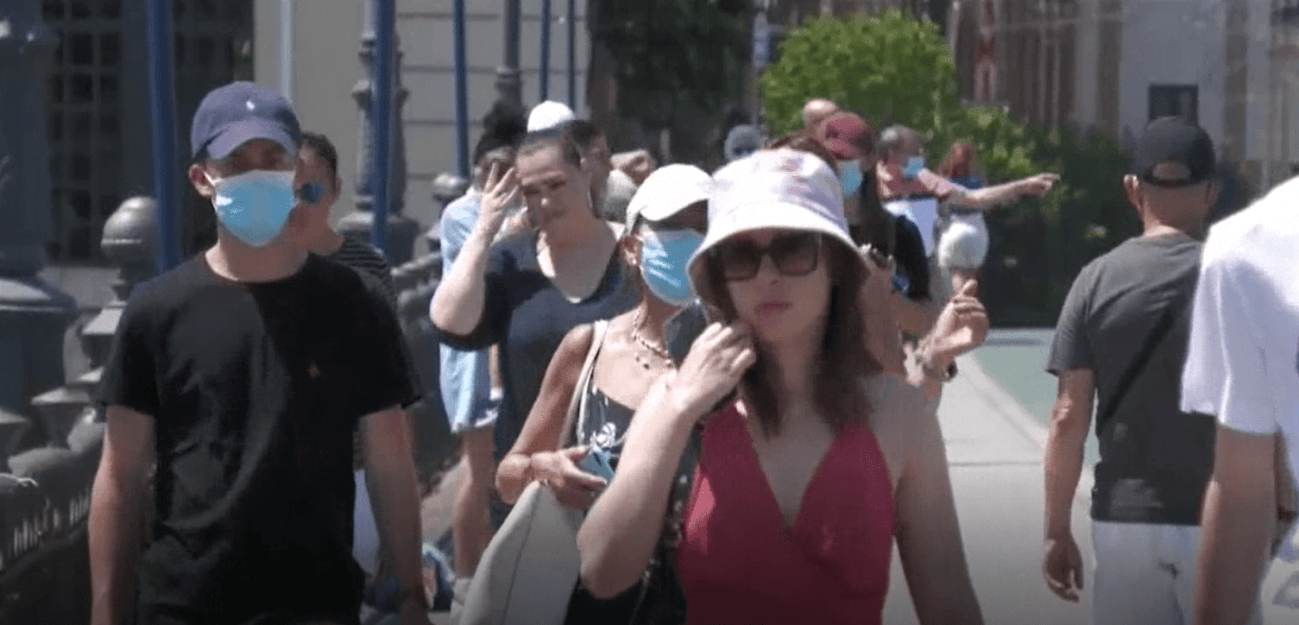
804	477
665	221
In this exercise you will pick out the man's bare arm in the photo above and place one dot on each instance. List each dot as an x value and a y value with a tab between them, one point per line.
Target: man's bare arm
1238	523
1071	419
117	505
390	465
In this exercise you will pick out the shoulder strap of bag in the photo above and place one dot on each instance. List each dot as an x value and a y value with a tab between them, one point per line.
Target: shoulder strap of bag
568	433
1178	308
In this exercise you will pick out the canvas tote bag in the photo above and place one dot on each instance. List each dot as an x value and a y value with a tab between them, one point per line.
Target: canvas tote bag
527	573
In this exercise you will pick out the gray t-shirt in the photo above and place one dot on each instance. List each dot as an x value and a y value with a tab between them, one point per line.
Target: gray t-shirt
1154	460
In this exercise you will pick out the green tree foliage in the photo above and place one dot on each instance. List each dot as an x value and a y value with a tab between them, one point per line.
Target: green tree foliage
897	70
887	65
671	50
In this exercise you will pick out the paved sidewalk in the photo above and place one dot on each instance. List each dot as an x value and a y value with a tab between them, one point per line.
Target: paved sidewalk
994	447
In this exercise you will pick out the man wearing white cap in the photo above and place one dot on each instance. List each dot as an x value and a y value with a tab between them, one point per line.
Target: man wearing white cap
549	114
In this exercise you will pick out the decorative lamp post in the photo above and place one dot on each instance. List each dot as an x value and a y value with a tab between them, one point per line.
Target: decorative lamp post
399	231
543	77
509	85
33	313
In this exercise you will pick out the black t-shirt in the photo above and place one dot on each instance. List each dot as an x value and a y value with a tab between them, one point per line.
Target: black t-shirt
255	390
1154	460
528	317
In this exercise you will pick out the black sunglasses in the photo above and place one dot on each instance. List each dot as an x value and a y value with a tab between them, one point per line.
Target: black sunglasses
793	254
311	192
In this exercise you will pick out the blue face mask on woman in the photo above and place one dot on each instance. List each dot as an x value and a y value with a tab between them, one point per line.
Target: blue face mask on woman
850	177
664	255
254	206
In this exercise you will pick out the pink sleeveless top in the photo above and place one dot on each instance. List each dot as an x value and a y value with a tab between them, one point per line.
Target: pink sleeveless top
737	561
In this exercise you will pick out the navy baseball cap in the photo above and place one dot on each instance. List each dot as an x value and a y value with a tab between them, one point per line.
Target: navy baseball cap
1173	152
239	112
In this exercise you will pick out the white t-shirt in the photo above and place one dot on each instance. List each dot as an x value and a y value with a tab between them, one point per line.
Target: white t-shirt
921	211
1243	360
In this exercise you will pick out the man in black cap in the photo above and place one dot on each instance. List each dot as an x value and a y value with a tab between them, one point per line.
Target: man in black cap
243	373
1121	340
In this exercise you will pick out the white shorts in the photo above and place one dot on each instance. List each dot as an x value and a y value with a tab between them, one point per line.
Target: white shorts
1145	573
964	244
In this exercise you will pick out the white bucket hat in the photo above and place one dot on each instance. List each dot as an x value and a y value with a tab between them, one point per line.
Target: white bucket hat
781	189
668	191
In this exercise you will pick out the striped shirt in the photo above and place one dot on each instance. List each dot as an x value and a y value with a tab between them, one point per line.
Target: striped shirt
365	257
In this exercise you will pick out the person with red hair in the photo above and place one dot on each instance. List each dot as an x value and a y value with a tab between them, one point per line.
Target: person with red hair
963	245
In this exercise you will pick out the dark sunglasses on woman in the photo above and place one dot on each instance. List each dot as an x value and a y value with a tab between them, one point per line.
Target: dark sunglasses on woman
793	254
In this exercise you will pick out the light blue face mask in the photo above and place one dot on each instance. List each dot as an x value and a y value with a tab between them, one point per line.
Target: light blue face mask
664	255
850	177
914	165
254	206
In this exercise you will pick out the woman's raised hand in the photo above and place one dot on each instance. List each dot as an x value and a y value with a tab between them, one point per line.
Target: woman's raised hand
500	192
714	366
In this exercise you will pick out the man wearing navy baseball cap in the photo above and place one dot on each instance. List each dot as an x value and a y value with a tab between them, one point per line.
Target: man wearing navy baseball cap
243	374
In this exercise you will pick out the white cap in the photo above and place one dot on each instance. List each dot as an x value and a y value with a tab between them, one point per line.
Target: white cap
668	191
549	114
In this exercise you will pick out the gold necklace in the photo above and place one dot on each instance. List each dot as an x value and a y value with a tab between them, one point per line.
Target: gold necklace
652	348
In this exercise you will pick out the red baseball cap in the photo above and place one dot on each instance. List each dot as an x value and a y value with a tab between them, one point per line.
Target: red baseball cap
847	136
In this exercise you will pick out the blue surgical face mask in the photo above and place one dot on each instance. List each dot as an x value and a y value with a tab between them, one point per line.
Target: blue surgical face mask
850	177
664	255
254	206
914	165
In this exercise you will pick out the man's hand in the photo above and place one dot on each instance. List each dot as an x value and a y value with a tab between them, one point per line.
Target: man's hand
637	164
1038	185
1063	567
961	326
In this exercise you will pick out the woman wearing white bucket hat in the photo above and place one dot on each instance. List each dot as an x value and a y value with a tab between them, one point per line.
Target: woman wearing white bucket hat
665	222
805	478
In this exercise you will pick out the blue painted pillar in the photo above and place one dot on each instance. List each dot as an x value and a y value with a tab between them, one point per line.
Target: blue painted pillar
462	88
572	54
382	86
162	103
544	77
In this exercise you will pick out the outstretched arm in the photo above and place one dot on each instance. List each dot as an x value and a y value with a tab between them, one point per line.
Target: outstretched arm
988	198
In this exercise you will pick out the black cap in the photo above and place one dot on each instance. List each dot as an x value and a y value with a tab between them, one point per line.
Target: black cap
1173	152
238	112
